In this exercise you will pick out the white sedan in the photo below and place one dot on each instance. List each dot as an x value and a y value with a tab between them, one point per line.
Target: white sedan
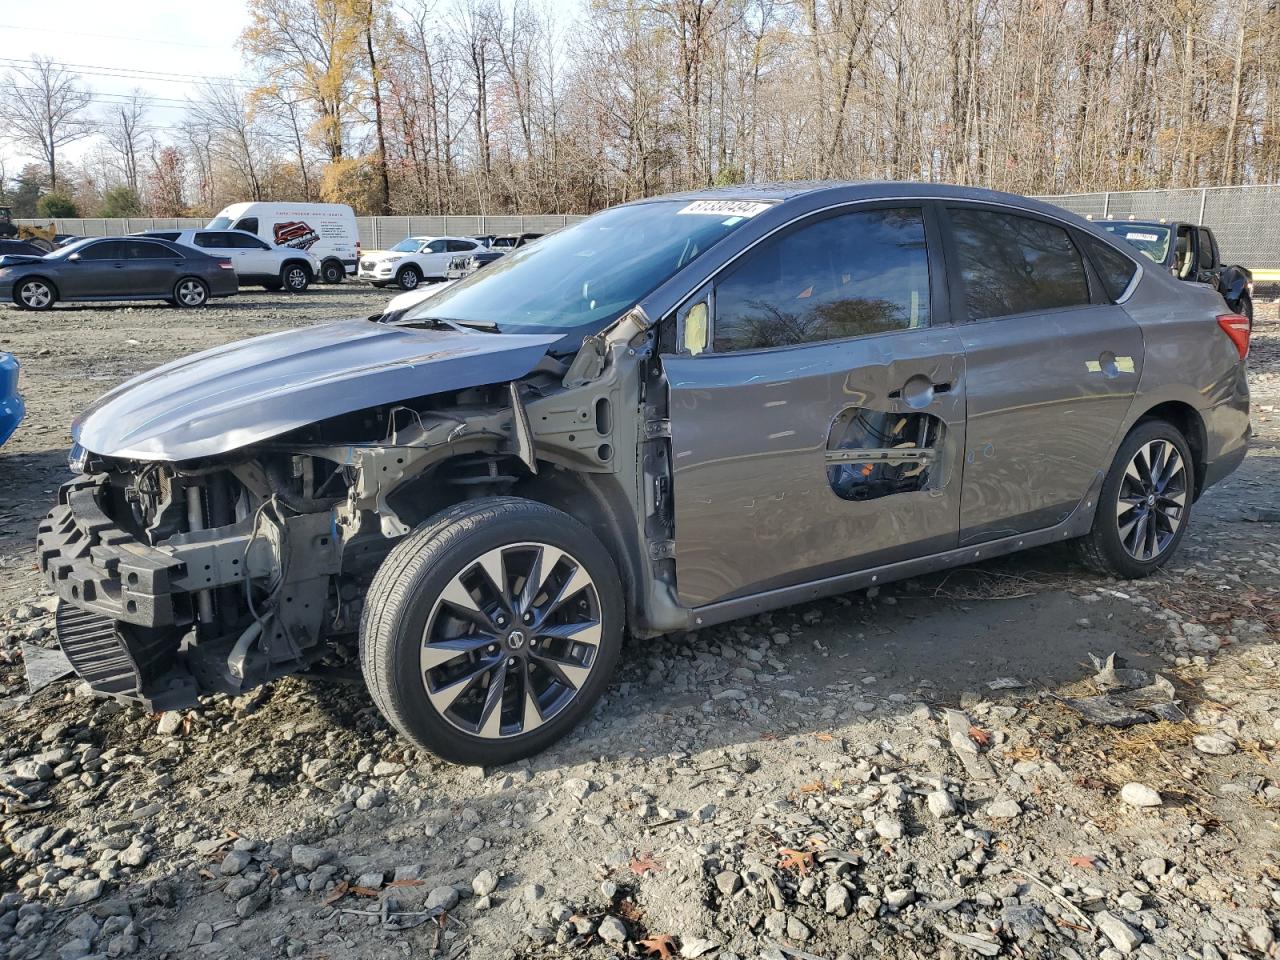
413	260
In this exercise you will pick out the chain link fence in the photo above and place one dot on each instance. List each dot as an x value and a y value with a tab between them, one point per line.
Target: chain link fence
376	233
1246	220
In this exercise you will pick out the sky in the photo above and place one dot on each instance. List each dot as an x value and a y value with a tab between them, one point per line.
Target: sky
162	47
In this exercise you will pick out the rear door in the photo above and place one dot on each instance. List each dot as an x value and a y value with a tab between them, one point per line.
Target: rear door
1053	365
819	430
152	268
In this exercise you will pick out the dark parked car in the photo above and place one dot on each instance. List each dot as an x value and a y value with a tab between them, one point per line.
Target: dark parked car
116	268
1189	252
20	248
674	413
513	240
11	406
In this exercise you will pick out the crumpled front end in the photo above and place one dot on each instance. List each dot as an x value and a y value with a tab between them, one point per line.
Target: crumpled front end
174	583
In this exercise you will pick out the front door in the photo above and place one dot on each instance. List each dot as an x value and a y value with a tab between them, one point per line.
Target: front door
101	271
1053	365
819	429
435	258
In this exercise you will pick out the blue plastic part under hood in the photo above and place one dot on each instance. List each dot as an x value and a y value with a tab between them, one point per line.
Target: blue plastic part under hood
235	395
11	407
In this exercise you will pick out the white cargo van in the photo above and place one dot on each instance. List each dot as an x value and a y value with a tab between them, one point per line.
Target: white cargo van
325	230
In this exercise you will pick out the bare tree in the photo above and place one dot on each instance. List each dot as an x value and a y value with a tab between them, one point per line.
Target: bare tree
126	131
44	110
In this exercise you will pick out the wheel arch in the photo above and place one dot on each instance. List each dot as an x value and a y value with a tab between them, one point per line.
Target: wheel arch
1191	425
53	284
297	261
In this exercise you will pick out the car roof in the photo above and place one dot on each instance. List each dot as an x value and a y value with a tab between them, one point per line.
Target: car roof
843	191
1124	222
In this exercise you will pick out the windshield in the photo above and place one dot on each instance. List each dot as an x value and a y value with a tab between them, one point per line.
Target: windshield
219	223
589	274
1151	240
70	248
407	246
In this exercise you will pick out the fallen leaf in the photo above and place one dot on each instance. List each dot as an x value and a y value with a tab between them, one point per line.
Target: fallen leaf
824	737
639	865
798	860
1082	860
662	944
337	893
979	736
814	786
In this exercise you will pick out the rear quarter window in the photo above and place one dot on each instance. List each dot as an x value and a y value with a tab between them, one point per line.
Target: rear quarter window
1114	269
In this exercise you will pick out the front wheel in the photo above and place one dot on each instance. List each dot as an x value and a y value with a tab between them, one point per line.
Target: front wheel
409	277
1144	505
35	294
295	278
190	292
490	631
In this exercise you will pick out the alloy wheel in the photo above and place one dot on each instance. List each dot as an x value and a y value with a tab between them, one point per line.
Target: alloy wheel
296	278
191	293
35	294
511	640
1151	506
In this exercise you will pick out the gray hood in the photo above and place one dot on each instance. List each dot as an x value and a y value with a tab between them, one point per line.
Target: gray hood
241	393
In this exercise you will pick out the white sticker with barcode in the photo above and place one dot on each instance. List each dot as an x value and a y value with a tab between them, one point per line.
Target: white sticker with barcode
725	208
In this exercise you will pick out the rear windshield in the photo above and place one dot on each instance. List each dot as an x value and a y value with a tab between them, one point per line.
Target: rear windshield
1149	239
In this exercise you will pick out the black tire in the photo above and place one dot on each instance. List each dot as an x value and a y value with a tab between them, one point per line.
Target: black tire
190	292
1246	309
332	271
35	293
295	277
408	588
408	277
1103	549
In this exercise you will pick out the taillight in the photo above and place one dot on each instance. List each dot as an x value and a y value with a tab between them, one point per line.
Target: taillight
1237	328
225	265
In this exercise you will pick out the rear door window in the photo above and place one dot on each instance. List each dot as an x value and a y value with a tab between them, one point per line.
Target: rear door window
215	241
1011	264
1113	267
145	250
849	275
461	246
248	224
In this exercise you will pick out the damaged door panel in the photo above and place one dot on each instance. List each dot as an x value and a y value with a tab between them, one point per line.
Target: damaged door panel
767	492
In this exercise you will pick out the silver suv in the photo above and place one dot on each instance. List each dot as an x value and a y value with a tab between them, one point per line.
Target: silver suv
677	412
255	261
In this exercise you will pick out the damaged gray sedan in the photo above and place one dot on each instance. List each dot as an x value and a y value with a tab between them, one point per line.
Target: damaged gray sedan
678	412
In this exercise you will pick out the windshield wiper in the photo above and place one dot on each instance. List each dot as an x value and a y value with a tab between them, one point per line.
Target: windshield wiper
488	326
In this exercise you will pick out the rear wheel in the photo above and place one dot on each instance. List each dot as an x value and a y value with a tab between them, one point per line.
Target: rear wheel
295	278
491	630
1144	505
1246	309
332	271
35	293
190	292
409	277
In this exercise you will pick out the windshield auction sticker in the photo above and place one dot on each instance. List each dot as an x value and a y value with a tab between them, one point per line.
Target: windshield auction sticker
1149	237
726	208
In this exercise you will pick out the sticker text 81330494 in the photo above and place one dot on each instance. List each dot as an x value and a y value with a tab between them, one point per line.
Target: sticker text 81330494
726	208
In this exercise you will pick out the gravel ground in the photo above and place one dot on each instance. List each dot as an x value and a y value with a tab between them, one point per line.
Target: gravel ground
892	773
